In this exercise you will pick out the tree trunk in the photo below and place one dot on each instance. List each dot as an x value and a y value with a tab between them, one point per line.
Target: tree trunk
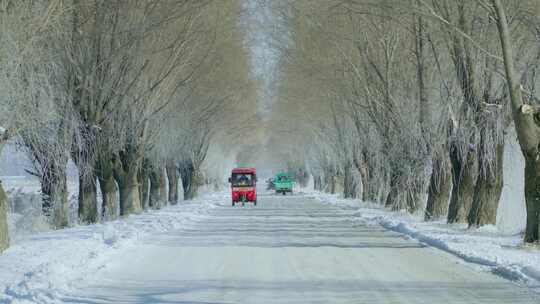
144	182
87	198
163	193
329	182
55	194
369	189
464	174
4	234
59	196
145	192
109	205
488	192
532	198
190	185
107	185
393	199
154	190
439	190
126	168
413	195
366	189
172	177
189	176
527	129
130	199
84	156
349	183
317	183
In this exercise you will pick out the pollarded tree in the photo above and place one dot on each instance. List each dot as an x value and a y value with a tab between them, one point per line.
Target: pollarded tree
526	123
111	62
47	140
169	61
22	74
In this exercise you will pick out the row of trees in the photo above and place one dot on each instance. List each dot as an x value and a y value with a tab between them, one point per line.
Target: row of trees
407	103
133	92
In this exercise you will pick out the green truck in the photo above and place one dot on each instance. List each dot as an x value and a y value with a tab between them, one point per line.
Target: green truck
283	183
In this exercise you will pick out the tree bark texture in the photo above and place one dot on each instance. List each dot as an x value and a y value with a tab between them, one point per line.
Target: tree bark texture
108	187
144	184
155	198
55	194
488	192
349	183
126	172
369	187
109	190
439	189
392	199
163	193
172	177
189	175
464	175
129	193
532	199
87	198
4	234
84	156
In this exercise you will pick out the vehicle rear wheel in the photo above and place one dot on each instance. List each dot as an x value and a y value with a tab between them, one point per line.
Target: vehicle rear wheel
255	203
233	203
284	192
243	204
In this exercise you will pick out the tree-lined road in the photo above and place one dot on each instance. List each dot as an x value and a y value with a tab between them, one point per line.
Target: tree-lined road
291	250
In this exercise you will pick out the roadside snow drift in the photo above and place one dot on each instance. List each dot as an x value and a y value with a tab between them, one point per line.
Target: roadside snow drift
503	254
41	266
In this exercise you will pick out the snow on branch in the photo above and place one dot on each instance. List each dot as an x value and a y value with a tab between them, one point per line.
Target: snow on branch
530	110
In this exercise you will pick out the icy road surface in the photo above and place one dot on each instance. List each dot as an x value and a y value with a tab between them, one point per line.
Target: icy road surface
291	250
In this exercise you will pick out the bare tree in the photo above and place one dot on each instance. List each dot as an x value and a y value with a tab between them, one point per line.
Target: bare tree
23	75
526	124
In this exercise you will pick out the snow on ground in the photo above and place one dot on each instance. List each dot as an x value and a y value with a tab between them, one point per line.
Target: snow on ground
489	248
25	217
38	266
290	249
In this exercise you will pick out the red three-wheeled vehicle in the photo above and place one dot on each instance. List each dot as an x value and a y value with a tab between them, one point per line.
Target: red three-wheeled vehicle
244	185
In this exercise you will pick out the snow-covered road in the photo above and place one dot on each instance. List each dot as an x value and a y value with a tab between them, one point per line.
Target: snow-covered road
290	250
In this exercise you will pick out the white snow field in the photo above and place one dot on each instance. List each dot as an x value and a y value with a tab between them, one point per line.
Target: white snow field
38	268
306	248
293	249
489	247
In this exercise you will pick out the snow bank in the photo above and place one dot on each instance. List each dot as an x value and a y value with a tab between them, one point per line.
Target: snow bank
501	253
25	216
39	267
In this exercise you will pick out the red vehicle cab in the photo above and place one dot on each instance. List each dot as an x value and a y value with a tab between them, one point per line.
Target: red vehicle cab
244	185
